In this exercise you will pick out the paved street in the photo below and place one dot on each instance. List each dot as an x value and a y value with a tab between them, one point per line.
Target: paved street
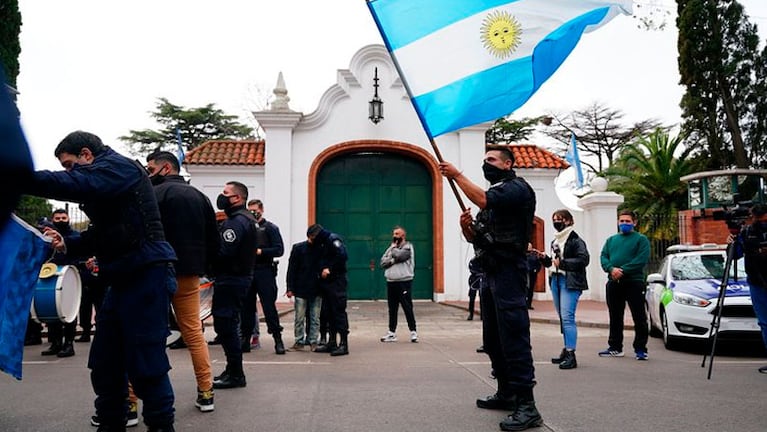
428	386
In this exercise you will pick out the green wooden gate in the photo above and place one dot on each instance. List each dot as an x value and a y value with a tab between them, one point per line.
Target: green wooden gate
362	197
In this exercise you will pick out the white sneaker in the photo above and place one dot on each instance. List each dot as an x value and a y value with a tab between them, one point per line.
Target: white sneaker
390	337
413	336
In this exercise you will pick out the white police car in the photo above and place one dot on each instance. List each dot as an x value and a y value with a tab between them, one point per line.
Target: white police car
682	297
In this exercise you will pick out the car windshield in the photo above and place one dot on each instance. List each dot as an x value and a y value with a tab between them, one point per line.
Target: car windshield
702	266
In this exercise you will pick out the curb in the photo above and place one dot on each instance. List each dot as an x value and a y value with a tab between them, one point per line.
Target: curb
579	323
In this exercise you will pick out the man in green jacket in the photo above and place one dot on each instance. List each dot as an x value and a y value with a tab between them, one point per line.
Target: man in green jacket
624	257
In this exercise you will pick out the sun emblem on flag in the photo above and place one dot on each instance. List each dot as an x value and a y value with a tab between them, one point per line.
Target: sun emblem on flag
501	33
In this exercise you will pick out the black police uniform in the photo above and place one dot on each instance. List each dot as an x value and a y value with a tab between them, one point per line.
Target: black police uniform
332	255
234	273
127	238
269	240
503	230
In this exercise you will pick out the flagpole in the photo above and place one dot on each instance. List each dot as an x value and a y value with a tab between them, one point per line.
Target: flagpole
450	181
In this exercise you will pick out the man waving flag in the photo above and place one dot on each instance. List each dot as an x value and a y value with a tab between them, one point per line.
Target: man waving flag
465	62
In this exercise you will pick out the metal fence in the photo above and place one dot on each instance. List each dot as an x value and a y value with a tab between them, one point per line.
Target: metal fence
658	246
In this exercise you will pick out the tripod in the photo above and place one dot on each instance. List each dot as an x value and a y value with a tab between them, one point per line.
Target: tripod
717	318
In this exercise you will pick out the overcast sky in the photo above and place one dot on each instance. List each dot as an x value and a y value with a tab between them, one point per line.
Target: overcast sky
100	66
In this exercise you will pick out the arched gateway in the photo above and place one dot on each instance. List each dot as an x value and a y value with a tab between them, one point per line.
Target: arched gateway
362	193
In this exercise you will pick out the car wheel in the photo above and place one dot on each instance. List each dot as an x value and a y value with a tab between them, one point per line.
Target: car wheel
670	342
651	329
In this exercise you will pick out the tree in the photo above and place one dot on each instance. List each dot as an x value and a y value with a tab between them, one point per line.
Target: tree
10	48
196	126
720	66
599	131
648	175
32	208
507	131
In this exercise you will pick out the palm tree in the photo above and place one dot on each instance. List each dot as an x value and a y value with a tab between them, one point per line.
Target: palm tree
648	175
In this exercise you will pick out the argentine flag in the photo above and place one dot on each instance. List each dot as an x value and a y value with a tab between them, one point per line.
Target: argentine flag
574	160
465	62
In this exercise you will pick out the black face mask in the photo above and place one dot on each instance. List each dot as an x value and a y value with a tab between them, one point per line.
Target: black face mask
223	202
61	226
396	240
156	179
493	174
559	226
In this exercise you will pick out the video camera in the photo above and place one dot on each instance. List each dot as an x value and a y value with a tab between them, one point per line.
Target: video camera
734	214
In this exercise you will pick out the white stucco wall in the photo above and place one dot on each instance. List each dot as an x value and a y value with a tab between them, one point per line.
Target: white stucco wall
294	141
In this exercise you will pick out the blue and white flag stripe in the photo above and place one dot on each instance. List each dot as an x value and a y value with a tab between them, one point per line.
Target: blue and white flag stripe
574	160
455	80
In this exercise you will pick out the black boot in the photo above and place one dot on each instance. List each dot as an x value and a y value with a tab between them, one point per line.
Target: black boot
52	350
323	338
526	416
279	347
498	401
85	337
558	360
503	399
343	347
330	346
569	362
223	375
230	381
233	377
67	350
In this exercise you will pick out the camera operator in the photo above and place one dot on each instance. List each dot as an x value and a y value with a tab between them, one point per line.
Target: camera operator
751	243
500	236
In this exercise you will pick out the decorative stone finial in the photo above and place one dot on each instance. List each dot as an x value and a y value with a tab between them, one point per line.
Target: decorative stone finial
598	184
280	102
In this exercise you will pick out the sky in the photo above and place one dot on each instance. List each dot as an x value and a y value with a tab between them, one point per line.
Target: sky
100	66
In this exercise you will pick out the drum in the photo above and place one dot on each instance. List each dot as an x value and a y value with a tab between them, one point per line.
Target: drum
57	294
206	309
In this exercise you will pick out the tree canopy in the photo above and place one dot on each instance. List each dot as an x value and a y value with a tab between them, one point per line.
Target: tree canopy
507	131
725	76
647	174
599	131
196	126
10	48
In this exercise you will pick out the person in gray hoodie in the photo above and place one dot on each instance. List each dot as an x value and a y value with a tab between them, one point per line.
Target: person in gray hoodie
398	263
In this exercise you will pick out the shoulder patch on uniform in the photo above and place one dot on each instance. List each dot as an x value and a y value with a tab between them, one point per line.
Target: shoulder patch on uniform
229	235
337	243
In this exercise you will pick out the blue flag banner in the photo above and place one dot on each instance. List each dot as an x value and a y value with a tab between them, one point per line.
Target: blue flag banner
575	161
465	62
180	154
15	158
22	252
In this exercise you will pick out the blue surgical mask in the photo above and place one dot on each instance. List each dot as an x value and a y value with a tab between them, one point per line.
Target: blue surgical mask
626	228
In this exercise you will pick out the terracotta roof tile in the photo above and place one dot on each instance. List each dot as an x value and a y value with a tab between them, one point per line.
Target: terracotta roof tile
230	152
227	152
532	156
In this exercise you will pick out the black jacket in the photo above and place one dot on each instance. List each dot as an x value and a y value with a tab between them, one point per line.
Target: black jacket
575	259
125	232
237	251
303	270
190	225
